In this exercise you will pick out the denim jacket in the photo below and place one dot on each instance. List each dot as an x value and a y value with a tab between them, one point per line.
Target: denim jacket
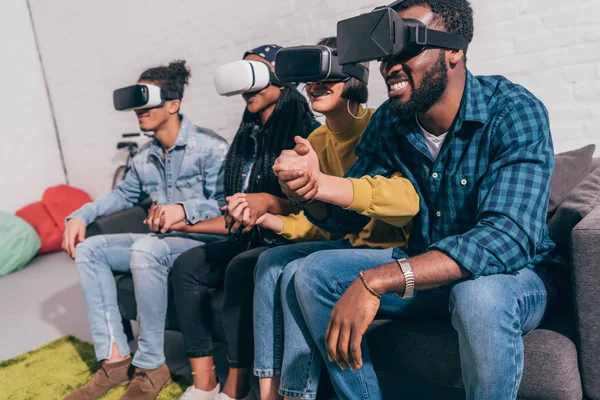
190	175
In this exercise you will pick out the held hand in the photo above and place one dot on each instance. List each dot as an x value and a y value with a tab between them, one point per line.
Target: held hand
152	215
162	218
299	185
302	157
258	206
247	209
74	233
298	171
233	210
349	321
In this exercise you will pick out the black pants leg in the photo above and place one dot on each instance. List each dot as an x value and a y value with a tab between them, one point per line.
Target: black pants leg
193	273
237	307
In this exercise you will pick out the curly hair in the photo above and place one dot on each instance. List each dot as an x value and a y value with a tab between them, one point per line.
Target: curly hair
456	16
291	117
354	90
173	77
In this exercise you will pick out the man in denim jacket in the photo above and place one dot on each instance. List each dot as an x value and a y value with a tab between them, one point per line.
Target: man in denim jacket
180	167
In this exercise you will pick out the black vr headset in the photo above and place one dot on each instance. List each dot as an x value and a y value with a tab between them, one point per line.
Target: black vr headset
315	64
142	96
382	34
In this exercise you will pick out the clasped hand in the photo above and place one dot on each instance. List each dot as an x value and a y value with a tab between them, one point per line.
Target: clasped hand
162	218
246	209
298	171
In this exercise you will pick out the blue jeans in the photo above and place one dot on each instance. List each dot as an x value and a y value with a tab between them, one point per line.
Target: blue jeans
490	315
148	258
278	320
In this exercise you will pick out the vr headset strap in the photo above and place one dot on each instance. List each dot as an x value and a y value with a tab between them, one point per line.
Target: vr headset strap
169	95
424	36
274	81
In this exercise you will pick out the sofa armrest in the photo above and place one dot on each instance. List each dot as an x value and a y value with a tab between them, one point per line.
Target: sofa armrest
585	254
126	221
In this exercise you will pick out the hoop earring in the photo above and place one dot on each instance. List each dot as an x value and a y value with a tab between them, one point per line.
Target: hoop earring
354	116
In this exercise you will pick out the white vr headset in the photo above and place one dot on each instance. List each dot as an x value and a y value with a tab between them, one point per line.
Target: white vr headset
244	77
141	97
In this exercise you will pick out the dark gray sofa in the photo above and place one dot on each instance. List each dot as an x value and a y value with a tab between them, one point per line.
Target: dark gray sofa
562	356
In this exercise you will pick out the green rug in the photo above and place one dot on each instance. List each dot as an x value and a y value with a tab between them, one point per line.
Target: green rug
58	368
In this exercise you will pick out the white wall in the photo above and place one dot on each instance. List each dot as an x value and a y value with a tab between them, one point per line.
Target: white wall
90	48
29	156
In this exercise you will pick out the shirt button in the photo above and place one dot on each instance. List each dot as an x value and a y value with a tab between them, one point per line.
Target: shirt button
463	182
439	214
435	175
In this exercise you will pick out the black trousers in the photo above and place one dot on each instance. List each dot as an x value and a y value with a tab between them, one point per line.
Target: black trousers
228	264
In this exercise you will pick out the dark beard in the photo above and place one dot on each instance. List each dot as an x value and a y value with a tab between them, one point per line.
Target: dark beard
433	85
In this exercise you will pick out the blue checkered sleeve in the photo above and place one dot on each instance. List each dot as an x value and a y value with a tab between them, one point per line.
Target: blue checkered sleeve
513	196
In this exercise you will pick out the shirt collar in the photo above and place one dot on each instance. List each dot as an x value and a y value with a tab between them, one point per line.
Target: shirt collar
473	106
184	131
183	138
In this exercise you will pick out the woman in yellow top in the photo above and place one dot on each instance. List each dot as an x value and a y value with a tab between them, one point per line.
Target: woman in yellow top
285	358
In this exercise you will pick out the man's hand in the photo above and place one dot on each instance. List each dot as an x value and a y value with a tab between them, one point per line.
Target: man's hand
349	321
74	233
161	218
298	171
247	209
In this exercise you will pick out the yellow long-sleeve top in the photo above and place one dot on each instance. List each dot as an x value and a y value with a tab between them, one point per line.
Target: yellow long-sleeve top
390	202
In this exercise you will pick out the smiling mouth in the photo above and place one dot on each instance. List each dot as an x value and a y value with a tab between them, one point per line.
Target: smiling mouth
398	86
319	95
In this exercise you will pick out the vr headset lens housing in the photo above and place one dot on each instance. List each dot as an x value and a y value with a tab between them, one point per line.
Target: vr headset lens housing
382	34
141	97
242	77
314	64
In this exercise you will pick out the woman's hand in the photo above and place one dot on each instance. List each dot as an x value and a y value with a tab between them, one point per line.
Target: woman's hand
298	171
247	209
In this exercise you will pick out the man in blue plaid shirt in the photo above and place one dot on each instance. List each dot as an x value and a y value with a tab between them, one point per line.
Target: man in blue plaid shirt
479	151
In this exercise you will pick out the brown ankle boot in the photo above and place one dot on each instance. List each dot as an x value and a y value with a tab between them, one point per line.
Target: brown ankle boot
108	376
146	384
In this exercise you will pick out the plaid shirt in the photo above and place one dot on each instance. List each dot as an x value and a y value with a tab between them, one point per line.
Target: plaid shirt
483	201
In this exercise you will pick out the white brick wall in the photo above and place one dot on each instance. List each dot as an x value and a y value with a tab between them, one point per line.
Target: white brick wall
29	157
90	48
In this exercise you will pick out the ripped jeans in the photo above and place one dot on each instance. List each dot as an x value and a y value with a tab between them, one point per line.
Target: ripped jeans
149	258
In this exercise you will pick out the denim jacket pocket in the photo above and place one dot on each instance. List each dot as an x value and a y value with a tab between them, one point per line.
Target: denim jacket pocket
190	187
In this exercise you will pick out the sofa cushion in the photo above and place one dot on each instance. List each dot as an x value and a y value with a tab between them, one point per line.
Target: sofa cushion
19	243
37	215
582	199
569	169
428	350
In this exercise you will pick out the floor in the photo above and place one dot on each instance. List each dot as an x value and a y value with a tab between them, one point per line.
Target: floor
43	302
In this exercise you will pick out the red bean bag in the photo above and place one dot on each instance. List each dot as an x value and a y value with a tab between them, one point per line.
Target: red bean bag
48	216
